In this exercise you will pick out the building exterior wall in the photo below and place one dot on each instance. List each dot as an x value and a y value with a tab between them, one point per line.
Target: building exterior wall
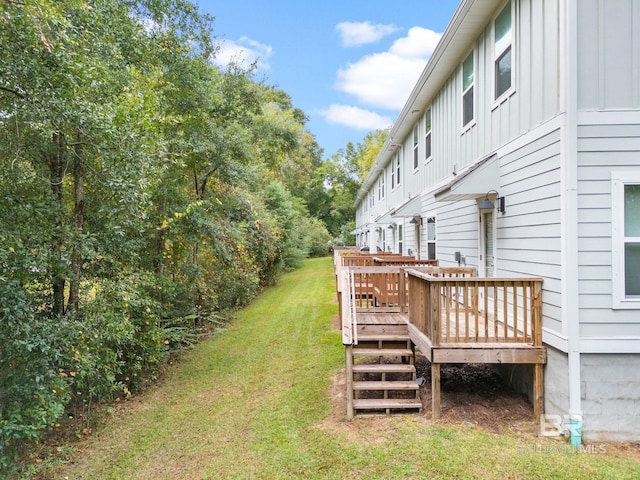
608	54
603	148
569	126
610	400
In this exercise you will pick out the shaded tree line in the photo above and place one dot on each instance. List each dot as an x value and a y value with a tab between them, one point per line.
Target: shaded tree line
145	193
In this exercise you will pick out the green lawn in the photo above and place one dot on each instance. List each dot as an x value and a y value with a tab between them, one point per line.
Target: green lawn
251	403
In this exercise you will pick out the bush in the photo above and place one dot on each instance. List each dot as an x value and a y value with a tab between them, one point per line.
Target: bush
34	355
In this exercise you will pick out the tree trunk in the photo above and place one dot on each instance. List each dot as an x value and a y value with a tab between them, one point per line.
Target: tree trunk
77	259
56	169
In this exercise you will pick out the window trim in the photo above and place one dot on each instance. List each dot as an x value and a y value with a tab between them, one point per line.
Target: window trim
429	134
416	146
496	54
619	180
467	126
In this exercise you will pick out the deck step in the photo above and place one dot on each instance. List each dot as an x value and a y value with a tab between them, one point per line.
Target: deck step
375	352
386	385
383	368
385	403
383	337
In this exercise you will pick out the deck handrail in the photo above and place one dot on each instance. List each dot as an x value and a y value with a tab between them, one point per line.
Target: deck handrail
476	310
348	315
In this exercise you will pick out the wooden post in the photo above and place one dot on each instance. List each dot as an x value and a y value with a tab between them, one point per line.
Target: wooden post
435	390
538	391
349	375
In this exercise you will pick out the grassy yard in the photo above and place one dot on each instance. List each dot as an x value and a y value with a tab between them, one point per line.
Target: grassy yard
253	403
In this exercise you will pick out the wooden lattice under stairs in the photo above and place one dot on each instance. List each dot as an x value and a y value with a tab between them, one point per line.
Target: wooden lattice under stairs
380	370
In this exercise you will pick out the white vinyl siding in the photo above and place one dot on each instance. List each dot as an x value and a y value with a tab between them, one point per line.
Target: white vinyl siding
609	54
608	154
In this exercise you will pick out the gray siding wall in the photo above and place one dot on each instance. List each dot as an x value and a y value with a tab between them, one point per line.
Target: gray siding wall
535	100
608	54
528	236
602	148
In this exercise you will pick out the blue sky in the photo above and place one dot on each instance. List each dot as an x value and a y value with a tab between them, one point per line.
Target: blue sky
348	64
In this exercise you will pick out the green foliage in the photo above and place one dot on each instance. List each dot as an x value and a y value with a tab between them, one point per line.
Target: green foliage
146	194
33	353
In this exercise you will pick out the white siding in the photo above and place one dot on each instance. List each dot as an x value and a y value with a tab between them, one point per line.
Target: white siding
608	54
529	234
534	101
602	148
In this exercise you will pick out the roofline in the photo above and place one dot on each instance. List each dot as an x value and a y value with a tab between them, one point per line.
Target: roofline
469	19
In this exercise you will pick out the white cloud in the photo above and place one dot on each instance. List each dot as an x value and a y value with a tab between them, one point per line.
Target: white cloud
245	52
419	43
354	34
355	117
385	80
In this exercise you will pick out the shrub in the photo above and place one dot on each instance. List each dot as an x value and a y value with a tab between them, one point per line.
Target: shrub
34	354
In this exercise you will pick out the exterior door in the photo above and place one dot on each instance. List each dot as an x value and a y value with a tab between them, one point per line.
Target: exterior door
488	247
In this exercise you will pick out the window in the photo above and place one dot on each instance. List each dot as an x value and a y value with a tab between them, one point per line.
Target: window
395	171
415	147
502	51
393	176
381	186
467	90
625	206
431	237
427	135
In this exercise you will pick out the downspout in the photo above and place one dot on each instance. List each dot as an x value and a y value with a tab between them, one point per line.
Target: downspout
570	304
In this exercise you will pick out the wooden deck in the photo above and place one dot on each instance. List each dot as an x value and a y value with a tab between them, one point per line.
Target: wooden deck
452	316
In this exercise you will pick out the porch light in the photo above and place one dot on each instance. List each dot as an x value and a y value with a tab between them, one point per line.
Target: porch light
487	204
414	221
392	226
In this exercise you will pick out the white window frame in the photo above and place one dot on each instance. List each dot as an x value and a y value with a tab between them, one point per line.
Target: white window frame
416	146
428	127
498	51
397	168
472	121
619	180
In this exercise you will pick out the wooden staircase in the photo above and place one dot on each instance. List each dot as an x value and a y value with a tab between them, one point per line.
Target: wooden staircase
381	373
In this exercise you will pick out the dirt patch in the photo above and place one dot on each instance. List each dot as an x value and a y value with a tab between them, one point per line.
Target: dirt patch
472	395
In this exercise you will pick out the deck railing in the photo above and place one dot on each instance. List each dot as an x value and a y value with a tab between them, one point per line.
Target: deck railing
403	260
369	289
469	309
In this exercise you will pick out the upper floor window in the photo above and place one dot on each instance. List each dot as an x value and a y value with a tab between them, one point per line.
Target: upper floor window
415	147
467	90
503	39
427	135
393	176
397	169
381	186
625	207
